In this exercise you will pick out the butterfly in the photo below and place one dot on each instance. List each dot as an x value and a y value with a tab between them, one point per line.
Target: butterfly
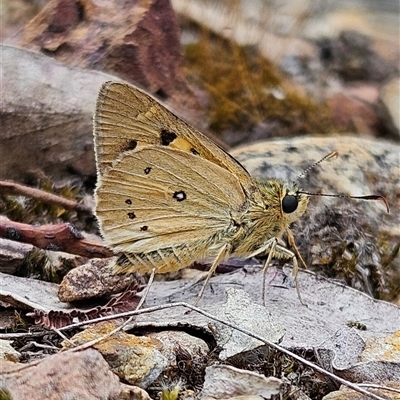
168	196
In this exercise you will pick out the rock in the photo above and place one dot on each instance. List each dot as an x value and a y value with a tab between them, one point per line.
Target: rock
82	375
347	354
7	352
187	356
137	360
93	279
39	100
139	42
390	96
353	58
13	254
383	348
240	310
226	382
350	394
350	112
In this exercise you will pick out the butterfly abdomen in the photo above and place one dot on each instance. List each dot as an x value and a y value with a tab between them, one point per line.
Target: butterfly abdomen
164	260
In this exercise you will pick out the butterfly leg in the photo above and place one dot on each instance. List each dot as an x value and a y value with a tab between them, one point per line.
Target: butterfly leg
283	253
221	256
275	250
269	247
292	244
266	265
295	265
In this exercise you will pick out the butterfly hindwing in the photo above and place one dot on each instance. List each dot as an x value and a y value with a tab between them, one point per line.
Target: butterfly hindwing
159	197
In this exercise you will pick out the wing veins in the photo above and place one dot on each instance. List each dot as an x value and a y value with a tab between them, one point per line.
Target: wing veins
160	218
187	165
155	179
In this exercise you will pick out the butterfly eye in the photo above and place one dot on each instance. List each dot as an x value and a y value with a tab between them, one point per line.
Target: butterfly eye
289	203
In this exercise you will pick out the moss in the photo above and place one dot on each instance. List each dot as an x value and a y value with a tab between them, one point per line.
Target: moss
18	324
246	90
5	394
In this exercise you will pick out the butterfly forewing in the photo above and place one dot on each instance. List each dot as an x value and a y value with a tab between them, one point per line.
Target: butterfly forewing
126	117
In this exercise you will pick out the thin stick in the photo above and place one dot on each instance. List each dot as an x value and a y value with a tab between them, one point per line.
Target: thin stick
146	291
13	188
63	336
381	387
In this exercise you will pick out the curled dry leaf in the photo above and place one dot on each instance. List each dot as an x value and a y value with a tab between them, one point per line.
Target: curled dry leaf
126	301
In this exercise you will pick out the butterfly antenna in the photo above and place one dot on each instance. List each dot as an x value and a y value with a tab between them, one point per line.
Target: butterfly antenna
368	197
328	157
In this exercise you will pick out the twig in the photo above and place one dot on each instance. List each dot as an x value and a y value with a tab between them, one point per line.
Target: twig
233	326
61	237
146	291
63	336
9	187
39	346
22	335
380	387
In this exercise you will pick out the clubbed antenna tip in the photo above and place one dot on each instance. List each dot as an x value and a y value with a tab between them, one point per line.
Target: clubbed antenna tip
328	157
367	197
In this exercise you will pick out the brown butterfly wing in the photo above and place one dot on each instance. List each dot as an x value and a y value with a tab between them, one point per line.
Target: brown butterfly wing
126	118
158	197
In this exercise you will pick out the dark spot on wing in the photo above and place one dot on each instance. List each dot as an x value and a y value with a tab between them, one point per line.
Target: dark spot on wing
292	149
147	170
129	145
128	201
167	137
144	228
194	151
179	196
131	215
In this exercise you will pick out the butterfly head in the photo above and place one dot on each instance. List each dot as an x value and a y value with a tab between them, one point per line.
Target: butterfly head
293	203
283	201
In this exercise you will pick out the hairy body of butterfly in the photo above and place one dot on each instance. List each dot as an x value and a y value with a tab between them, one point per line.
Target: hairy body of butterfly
168	196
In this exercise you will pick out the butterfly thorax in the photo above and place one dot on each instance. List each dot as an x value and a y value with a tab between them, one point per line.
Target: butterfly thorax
269	214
